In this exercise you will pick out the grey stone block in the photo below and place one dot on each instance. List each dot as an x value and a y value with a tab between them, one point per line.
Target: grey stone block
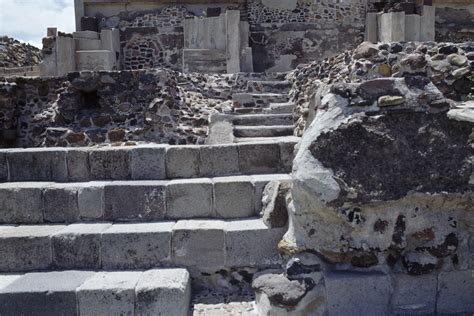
136	246
358	293
190	198
234	197
148	163
91	201
163	292
414	295
78	246
26	248
7	279
221	160
260	181
43	294
182	162
78	165
249	243
21	203
37	164
110	164
287	155
455	292
108	293
3	166
199	243
60	203
135	201
259	158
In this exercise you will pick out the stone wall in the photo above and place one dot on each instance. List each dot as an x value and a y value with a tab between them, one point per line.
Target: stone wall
454	23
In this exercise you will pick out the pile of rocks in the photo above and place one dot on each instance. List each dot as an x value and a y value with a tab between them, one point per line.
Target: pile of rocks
15	54
448	66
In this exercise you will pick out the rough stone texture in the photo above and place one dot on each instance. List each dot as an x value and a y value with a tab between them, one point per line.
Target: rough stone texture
234	197
78	246
192	239
254	158
110	164
219	161
21	203
136	246
60	204
135	201
42	294
15	54
50	166
274	211
108	293
91	201
455	292
414	294
148	163
182	162
163	292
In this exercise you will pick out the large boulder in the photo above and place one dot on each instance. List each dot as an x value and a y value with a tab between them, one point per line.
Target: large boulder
385	184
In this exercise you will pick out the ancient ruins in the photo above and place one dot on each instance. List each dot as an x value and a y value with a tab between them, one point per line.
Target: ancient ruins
240	157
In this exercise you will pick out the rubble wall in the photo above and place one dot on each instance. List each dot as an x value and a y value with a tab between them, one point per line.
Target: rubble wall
454	23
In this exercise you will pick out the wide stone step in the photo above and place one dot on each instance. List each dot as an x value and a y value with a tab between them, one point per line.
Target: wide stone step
258	100
133	201
263	119
263	131
255	86
259	139
280	108
89	293
203	245
154	162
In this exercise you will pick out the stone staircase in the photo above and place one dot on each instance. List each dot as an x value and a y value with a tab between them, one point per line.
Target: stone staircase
133	230
263	112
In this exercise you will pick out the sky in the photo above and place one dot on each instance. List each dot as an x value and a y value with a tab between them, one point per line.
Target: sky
27	20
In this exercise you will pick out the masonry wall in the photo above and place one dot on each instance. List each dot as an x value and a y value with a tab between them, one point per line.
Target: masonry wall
454	23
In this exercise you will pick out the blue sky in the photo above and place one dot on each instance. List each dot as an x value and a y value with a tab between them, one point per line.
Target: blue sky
27	20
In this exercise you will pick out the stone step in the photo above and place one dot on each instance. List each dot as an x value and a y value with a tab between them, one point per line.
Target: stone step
248	110
256	86
258	100
259	139
263	131
88	293
202	245
263	119
154	162
280	108
133	201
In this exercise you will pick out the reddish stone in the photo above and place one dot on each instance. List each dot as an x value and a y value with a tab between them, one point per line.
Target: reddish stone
116	135
101	121
424	235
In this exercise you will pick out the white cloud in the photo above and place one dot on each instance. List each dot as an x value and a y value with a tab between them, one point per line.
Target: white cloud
27	20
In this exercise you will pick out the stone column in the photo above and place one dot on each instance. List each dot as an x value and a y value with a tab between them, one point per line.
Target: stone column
392	27
66	55
371	27
79	13
412	28
233	41
427	25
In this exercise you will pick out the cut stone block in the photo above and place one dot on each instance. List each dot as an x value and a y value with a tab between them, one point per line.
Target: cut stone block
135	201
199	243
21	203
455	290
3	166
259	158
249	243
26	248
260	181
91	201
78	165
190	198
108	293
37	164
357	293
7	279
234	197
60	204
110	164
414	295
182	161
148	163
78	246
287	155
163	292
136	246
43	294
222	160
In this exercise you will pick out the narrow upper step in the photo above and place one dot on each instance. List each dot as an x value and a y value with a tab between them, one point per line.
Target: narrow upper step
133	201
155	162
206	245
255	86
280	108
152	292
263	119
263	131
258	99
259	139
